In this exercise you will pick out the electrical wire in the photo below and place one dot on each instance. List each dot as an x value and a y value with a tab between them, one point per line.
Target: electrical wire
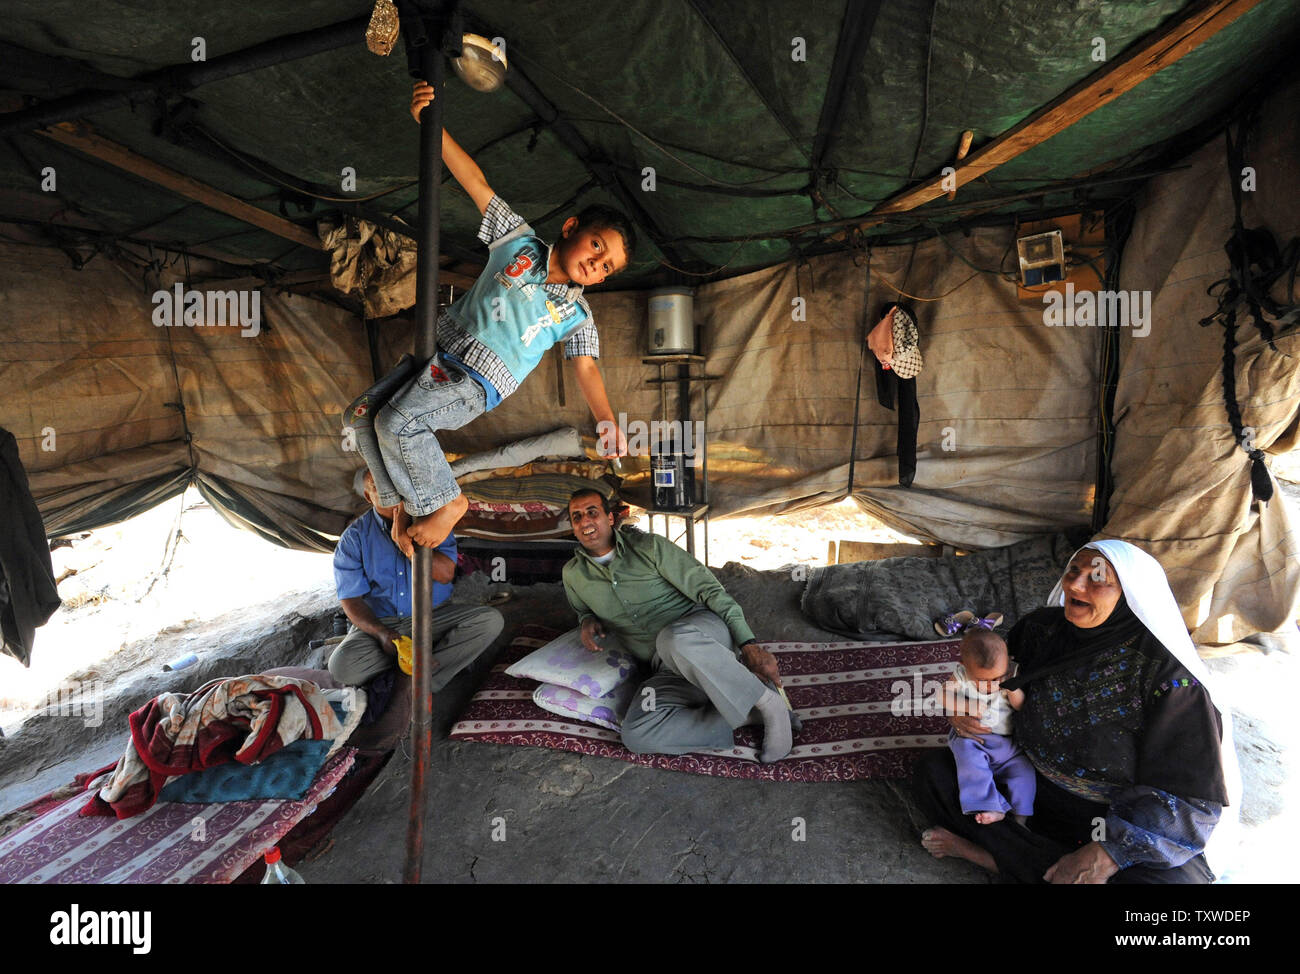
631	127
925	110
938	297
285	184
717	270
962	257
775	173
742	191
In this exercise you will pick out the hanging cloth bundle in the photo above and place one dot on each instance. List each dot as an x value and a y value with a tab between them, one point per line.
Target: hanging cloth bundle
1255	264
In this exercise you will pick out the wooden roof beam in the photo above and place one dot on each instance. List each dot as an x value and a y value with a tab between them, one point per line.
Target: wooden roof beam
84	140
79	136
1157	50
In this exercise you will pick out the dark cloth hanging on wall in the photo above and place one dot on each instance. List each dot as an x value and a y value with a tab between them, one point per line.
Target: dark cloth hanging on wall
28	596
890	388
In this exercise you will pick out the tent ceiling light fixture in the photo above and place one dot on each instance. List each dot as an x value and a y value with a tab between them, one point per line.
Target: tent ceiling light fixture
482	64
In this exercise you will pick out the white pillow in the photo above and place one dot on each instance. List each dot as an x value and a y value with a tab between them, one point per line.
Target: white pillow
607	711
564	662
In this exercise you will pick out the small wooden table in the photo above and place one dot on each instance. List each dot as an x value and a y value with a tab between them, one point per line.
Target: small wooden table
698	512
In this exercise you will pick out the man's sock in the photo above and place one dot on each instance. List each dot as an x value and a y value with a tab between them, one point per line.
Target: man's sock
777	739
796	724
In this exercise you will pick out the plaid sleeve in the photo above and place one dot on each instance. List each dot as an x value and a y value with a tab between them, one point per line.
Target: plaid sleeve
584	341
498	220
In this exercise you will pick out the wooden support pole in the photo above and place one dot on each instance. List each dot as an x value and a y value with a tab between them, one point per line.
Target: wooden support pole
80	136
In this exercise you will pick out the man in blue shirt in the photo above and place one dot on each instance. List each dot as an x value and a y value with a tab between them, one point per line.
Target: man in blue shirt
372	577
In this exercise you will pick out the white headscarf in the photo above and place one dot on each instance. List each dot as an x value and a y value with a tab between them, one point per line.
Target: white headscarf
1147	592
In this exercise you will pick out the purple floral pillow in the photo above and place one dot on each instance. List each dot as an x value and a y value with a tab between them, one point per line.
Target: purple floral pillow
607	711
565	663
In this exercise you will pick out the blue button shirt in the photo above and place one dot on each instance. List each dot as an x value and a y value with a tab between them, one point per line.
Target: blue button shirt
368	565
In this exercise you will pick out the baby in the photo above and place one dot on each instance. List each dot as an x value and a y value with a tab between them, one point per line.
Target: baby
973	690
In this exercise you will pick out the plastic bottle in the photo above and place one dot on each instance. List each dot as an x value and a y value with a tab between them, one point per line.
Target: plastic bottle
278	873
179	664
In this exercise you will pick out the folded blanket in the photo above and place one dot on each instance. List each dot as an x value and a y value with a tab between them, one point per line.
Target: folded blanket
904	596
286	774
554	489
586	469
562	442
243	718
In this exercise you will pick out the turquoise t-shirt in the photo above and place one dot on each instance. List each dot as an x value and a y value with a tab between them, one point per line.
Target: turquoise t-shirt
510	312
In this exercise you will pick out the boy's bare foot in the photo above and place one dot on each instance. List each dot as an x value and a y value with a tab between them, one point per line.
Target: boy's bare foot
401	524
431	530
940	842
988	818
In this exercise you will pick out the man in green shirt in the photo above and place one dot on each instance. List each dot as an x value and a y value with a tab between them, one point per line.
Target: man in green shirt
668	610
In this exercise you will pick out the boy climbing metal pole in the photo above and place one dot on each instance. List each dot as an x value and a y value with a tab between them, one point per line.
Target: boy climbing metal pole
528	297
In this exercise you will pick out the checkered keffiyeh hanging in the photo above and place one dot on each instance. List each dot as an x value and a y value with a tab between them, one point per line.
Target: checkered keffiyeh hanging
906	361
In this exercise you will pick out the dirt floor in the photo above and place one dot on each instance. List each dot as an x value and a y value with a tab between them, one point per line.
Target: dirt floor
576	818
571	817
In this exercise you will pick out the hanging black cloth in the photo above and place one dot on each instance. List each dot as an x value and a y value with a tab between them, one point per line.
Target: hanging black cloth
28	596
890	389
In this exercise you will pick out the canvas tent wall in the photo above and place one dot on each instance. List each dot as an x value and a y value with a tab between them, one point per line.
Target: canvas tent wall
95	391
1017	401
84	359
1182	481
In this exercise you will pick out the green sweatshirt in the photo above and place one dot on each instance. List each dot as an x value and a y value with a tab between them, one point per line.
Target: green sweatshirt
650	583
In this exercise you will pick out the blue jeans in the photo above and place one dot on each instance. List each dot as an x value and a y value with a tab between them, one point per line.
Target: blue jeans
359	417
439	397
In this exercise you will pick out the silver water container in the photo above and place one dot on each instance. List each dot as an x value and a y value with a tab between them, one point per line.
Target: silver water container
672	321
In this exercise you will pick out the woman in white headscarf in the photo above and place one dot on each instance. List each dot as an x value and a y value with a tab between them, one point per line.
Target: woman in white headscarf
1134	759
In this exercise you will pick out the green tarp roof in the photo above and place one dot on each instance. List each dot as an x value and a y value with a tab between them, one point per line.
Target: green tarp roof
707	92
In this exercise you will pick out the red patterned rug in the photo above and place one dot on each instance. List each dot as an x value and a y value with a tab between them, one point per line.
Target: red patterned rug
856	700
169	843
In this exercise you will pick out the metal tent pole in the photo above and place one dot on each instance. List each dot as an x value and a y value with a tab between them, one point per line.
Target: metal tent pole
426	303
184	77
